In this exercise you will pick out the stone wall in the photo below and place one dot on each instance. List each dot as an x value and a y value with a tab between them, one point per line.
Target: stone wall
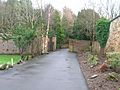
8	47
82	45
37	46
113	43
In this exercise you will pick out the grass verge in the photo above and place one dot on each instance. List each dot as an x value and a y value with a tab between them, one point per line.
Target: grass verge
6	59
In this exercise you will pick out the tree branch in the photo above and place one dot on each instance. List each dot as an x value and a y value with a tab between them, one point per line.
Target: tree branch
114	18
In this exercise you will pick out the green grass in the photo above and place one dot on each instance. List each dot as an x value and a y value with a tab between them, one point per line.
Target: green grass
6	59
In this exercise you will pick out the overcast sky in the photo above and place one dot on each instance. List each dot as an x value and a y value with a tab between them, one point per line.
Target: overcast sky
75	5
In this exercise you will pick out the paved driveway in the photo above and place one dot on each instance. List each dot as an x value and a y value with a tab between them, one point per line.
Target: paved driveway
56	71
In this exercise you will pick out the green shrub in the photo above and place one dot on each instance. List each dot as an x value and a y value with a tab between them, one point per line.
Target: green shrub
114	59
92	59
113	76
102	31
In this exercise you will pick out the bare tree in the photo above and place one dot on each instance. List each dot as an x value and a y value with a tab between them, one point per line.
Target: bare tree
110	8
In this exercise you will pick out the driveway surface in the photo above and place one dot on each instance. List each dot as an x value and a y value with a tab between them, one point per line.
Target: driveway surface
55	71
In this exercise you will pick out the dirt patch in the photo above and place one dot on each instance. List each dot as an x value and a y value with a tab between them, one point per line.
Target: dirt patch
100	82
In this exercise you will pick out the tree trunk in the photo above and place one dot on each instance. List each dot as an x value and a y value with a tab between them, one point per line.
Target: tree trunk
32	49
21	53
38	48
102	55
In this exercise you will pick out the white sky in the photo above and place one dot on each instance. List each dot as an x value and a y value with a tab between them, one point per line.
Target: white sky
75	5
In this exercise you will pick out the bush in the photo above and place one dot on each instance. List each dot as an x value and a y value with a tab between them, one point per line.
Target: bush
113	76
113	59
92	59
102	31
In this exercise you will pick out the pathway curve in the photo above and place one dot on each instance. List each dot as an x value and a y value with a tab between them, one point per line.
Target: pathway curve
55	71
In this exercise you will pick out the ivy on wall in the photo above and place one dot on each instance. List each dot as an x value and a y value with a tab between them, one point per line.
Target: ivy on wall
102	31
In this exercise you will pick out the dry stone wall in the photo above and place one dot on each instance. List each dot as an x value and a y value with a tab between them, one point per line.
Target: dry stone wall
113	43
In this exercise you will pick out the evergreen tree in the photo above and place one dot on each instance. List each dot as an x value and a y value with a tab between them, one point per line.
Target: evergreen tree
57	28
